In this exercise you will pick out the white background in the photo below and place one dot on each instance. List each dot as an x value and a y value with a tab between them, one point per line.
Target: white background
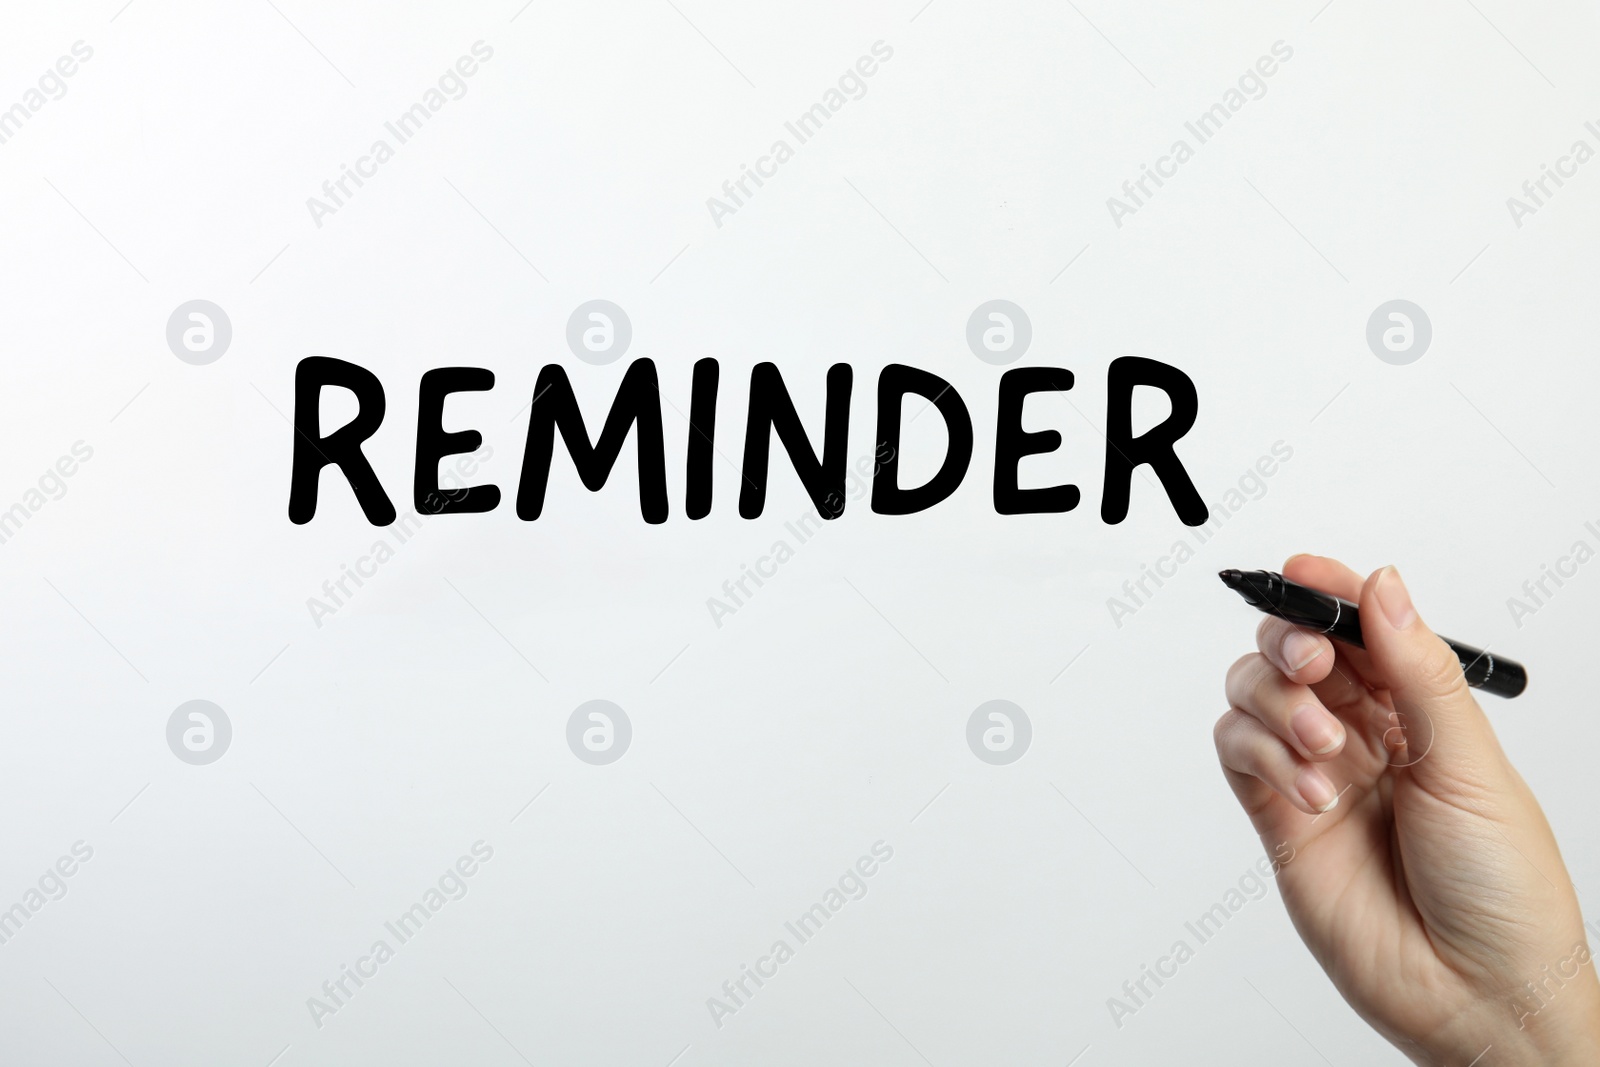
772	751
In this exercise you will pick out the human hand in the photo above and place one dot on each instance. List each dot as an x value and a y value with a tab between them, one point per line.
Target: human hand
1413	859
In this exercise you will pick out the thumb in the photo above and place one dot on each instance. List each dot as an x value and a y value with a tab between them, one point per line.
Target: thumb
1439	730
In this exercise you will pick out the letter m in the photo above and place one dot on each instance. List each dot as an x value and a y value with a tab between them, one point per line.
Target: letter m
555	407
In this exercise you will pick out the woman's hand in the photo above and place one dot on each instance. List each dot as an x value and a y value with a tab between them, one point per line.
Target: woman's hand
1415	863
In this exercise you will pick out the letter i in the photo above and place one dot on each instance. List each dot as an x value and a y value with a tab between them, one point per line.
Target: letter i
702	439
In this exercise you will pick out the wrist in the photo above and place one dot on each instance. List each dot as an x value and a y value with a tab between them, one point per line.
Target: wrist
1573	1038
1531	1026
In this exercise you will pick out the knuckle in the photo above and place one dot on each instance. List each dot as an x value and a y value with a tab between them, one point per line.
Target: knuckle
1439	671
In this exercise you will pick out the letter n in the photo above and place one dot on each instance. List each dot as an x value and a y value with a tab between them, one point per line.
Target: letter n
772	409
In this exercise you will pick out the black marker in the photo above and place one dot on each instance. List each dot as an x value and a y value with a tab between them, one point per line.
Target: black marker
1274	594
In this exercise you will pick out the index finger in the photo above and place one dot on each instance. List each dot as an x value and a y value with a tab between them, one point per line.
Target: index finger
1331	576
1328	575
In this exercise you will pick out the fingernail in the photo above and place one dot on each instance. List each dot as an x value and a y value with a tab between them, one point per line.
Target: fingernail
1319	731
1394	599
1317	790
1299	650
